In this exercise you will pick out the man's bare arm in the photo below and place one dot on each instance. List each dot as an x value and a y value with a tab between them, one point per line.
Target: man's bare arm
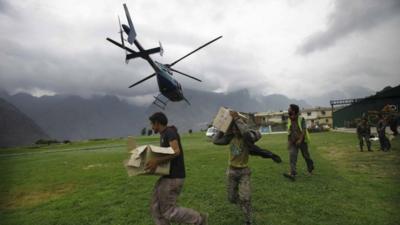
153	163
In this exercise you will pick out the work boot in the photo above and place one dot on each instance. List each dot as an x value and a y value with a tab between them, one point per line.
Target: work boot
290	176
310	169
276	158
204	218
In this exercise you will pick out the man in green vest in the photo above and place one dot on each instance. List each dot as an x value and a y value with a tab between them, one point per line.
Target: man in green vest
298	139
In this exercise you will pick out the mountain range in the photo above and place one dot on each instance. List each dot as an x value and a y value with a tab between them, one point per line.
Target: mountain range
75	118
16	128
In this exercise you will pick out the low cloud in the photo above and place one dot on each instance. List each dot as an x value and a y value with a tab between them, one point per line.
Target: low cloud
349	17
59	46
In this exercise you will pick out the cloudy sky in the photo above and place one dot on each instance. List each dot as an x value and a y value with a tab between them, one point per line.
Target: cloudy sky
304	49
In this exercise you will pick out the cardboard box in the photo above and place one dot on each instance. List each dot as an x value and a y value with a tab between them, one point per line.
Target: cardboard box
141	155
222	120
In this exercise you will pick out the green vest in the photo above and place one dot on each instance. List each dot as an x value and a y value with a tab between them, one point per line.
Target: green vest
299	119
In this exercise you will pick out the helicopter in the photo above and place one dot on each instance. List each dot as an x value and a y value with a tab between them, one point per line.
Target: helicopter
170	88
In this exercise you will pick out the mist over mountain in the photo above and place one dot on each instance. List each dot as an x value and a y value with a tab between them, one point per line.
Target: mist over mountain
74	117
17	129
204	105
341	93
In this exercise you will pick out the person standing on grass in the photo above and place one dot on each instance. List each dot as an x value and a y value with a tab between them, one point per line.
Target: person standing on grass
241	141
364	133
381	129
298	139
167	189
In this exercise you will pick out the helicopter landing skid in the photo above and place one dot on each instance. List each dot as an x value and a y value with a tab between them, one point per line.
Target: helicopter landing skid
160	103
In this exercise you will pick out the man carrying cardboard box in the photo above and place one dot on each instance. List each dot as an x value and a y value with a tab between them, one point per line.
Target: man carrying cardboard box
241	140
167	189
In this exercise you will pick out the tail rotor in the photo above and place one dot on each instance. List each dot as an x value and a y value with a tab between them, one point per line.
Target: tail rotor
121	33
161	48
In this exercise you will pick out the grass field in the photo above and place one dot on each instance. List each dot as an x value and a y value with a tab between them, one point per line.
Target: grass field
85	183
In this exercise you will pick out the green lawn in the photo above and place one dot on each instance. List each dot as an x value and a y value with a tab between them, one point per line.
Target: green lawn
85	183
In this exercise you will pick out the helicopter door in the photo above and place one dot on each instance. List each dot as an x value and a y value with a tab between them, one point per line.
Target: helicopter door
169	72
179	87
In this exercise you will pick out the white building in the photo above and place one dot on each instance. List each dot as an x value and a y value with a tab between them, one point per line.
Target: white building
317	117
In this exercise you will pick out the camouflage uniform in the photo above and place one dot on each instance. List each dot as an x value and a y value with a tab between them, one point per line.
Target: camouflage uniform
383	140
393	124
239	191
364	133
238	172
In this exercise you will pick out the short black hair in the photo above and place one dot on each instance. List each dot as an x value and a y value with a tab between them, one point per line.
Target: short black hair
159	117
295	108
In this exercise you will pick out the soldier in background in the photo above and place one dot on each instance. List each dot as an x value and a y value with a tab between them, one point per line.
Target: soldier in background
392	119
381	129
364	133
393	124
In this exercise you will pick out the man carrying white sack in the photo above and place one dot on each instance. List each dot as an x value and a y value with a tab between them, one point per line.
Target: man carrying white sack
167	189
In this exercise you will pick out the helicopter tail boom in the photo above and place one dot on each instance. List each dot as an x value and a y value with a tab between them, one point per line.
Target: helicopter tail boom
131	30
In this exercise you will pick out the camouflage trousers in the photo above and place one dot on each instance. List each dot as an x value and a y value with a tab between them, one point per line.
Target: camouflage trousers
163	204
239	191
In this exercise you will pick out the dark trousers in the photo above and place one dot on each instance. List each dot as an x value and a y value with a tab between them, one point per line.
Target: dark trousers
293	152
393	124
384	142
365	137
255	150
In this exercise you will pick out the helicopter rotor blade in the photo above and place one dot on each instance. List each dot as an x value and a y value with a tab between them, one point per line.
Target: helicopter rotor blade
142	80
184	74
121	32
169	65
120	45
